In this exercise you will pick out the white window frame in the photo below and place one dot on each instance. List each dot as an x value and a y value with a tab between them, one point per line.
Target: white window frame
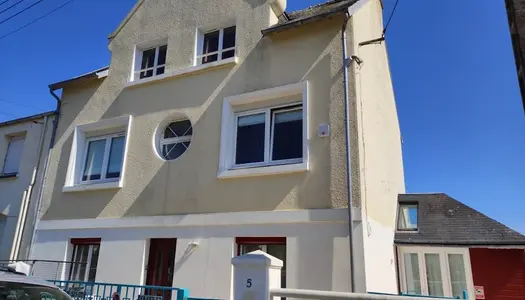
407	217
269	133
230	113
105	161
111	127
9	143
199	55
174	140
137	59
444	266
85	277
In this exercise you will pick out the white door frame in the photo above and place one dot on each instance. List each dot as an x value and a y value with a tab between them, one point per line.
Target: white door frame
444	266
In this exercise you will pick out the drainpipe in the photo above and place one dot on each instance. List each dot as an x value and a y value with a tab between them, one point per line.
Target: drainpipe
46	163
26	199
346	64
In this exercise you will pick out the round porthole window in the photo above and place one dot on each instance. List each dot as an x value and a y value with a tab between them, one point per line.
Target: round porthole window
175	139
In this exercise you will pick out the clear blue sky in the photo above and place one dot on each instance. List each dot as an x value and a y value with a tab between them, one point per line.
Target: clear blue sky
452	66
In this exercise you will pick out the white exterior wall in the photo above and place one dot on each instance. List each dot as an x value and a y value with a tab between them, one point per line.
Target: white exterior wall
316	241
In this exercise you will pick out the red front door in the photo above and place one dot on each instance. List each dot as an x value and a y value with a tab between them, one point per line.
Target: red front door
160	264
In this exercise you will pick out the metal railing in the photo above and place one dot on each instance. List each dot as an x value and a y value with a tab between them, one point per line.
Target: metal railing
47	269
329	295
464	295
112	291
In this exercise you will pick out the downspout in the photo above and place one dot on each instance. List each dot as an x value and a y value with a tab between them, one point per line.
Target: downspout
46	163
346	64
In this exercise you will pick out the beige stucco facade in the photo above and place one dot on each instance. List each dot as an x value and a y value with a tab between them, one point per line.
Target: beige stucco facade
36	133
190	185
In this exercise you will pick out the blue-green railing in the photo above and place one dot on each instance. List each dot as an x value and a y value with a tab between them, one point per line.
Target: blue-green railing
465	294
111	291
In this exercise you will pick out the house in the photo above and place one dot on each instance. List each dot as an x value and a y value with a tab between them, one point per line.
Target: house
445	247
515	11
24	146
219	128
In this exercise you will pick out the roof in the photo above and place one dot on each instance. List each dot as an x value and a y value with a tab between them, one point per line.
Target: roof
27	119
443	220
313	13
95	74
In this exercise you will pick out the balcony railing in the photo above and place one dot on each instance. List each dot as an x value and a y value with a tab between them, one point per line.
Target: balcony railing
111	291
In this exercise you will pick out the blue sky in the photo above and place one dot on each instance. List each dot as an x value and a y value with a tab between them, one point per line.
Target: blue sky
452	66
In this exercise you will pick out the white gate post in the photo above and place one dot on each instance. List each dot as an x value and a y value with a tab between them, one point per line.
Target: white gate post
255	274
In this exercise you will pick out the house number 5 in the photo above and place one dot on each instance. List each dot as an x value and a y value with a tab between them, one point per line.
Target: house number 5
249	283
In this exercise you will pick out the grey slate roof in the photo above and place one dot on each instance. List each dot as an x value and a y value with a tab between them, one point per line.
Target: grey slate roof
443	220
312	13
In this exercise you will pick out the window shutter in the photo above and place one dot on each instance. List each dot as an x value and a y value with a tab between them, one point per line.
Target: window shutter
13	155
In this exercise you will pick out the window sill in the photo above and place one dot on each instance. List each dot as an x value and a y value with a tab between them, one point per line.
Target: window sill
184	72
92	187
262	171
10	175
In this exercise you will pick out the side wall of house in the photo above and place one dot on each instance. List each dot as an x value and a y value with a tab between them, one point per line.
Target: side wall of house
378	147
501	272
12	189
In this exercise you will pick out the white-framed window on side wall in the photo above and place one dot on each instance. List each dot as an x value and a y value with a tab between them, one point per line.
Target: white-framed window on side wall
13	155
265	132
150	61
215	45
435	271
98	155
84	259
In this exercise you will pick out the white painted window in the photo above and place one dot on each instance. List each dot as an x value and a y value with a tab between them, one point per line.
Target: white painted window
103	158
175	139
269	136
150	61
435	271
98	155
407	217
265	132
216	45
84	262
13	155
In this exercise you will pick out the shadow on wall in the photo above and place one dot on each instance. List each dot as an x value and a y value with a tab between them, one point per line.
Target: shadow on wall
189	184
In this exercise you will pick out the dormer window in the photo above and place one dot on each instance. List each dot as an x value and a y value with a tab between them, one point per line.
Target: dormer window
216	45
407	217
150	62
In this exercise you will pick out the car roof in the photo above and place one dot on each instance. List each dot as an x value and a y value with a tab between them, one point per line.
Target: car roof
18	278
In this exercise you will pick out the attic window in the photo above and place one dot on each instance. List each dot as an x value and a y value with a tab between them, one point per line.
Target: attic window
150	61
216	45
407	217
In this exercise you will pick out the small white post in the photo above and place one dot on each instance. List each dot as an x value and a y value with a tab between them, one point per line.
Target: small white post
254	275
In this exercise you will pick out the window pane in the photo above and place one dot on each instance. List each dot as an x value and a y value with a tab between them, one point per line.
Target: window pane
228	54
412	277
116	155
13	155
458	277
162	55
148	59
94	159
94	262
160	71
287	135
407	218
178	129
249	248
211	44
250	139
228	40
173	151
435	283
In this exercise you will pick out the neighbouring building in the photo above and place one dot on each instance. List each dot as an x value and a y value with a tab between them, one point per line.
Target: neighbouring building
24	147
516	17
219	128
445	247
